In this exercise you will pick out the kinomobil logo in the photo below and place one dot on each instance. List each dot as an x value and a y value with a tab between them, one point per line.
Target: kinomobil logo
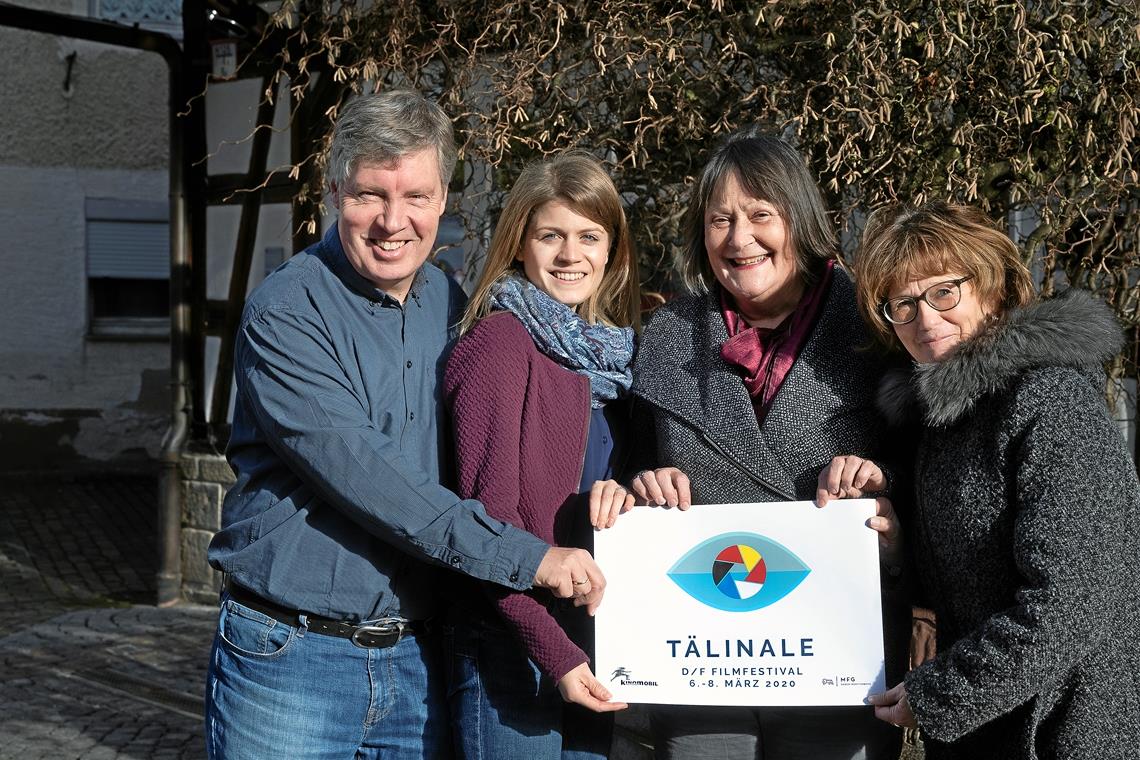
628	680
739	572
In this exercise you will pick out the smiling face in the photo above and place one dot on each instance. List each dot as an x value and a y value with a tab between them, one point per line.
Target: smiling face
389	216
564	253
750	250
933	335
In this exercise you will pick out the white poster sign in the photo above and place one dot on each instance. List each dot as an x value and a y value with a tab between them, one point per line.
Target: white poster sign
741	604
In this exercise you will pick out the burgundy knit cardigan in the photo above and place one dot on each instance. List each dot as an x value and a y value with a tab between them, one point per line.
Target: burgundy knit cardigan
521	423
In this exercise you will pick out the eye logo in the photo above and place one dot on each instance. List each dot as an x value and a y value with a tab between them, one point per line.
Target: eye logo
739	572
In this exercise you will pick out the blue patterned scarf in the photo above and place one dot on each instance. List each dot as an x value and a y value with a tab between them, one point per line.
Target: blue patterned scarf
603	354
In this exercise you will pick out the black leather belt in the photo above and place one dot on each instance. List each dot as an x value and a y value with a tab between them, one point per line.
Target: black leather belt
375	635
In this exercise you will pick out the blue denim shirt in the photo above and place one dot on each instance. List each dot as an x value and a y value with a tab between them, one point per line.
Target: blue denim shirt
340	449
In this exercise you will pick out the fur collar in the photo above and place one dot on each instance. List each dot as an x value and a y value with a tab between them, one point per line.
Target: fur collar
1074	329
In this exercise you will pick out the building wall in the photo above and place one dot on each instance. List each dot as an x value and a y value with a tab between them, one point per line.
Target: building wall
66	400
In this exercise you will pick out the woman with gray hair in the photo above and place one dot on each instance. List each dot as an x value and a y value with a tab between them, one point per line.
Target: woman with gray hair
746	388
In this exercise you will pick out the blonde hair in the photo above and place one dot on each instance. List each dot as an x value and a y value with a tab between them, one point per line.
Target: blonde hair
905	243
578	180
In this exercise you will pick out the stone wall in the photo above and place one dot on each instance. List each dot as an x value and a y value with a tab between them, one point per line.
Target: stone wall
205	478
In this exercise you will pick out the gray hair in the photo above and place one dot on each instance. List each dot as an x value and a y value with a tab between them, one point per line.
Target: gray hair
382	127
770	169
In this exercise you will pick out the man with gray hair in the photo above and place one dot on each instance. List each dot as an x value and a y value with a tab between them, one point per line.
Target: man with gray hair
339	517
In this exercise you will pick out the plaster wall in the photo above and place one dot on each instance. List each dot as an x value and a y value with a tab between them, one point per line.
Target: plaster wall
110	115
67	401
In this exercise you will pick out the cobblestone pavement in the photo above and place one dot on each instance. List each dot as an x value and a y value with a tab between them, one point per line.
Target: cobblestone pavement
88	668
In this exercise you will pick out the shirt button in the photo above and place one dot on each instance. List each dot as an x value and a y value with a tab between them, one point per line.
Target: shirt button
456	559
412	416
605	440
515	577
409	365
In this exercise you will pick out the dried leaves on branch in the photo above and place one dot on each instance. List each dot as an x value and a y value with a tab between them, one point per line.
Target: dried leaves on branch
1029	109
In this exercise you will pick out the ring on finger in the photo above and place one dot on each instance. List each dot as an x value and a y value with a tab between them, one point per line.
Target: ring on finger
580	583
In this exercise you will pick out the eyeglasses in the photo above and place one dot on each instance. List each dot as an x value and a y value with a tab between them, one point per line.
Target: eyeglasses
942	296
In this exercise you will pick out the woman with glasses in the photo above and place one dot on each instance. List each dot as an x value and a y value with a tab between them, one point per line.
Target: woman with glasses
745	388
1026	507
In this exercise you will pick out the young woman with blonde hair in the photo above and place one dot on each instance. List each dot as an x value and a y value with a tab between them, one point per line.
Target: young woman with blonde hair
536	388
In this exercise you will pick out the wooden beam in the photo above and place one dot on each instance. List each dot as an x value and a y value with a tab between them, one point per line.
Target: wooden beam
243	256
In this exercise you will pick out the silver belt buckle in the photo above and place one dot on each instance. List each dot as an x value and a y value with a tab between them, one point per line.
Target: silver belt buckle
383	627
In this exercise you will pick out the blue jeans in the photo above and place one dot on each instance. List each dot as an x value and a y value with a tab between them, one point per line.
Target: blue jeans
279	691
502	706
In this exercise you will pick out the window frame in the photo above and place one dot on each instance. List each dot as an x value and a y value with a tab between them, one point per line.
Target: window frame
124	328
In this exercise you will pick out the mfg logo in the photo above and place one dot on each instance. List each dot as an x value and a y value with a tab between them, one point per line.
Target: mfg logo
739	572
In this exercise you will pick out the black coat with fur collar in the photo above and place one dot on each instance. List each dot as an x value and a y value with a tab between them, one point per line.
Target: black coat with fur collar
1025	536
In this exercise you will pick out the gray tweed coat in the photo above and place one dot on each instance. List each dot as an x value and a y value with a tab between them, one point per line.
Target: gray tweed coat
693	412
1025	536
702	417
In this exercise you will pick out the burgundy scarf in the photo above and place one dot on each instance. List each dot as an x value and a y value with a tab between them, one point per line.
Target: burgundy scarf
766	354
